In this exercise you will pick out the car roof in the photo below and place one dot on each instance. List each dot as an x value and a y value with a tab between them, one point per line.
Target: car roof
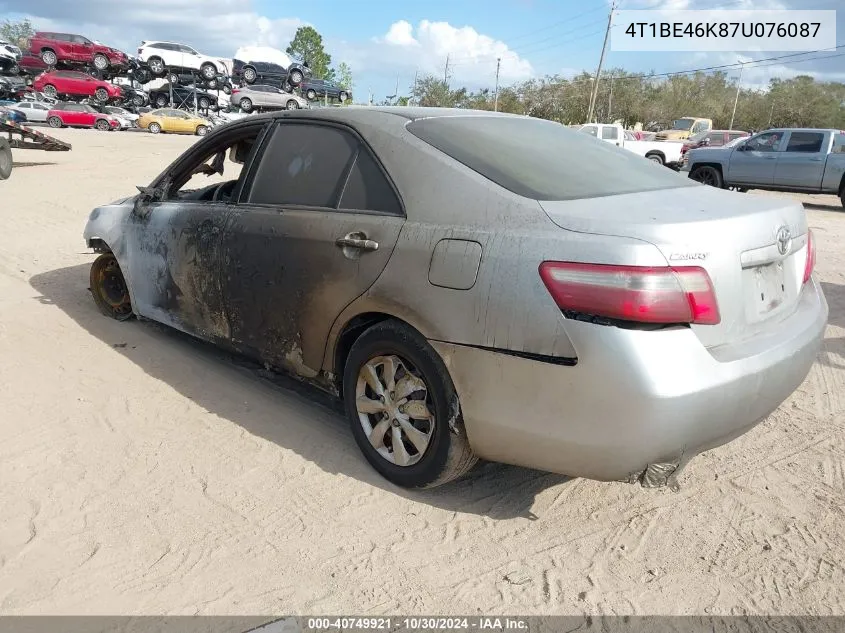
400	114
801	129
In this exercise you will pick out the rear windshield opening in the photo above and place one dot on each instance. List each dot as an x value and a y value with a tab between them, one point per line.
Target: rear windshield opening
544	160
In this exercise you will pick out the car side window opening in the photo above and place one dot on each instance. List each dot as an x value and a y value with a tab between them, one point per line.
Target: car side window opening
609	133
214	176
806	142
768	142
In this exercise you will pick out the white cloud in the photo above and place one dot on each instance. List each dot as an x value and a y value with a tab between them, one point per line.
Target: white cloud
472	55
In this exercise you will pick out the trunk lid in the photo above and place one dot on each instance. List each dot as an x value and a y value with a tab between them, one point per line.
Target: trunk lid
741	240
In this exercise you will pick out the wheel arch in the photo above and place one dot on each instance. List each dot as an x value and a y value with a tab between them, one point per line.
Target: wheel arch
717	166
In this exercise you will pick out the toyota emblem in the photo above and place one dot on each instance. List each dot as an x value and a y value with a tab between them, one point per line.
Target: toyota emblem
784	240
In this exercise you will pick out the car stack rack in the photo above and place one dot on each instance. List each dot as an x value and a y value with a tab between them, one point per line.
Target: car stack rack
22	137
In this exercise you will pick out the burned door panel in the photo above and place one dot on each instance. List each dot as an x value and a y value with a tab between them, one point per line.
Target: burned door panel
174	260
286	278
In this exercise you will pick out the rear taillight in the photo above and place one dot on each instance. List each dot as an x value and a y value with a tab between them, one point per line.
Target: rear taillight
633	293
810	262
235	91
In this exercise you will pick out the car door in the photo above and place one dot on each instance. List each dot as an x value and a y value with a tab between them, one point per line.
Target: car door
169	120
82	47
801	163
72	114
610	134
190	57
754	162
312	231
173	247
37	112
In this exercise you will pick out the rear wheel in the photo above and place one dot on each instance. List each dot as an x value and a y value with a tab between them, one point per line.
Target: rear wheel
102	94
5	159
202	130
156	65
101	62
173	78
404	409
707	175
208	71
49	57
102	125
245	104
311	94
295	77
137	101
154	128
655	158
250	75
227	89
109	289
342	97
204	103
292	104
54	121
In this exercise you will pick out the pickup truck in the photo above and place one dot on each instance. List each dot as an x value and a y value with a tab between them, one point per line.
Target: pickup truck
802	160
685	127
664	152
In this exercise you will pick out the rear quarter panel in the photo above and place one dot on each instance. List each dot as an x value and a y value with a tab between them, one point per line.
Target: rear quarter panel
834	173
507	307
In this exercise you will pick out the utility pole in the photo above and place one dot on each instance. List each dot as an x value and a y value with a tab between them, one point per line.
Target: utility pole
595	92
771	113
736	100
496	98
446	72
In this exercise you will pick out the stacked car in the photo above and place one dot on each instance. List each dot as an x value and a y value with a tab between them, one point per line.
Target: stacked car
80	115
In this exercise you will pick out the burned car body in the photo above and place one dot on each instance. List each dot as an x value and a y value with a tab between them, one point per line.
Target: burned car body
524	310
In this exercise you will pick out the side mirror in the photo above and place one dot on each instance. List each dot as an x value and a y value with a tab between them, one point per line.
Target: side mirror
706	142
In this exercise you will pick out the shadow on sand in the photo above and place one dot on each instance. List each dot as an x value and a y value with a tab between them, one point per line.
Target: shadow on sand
493	490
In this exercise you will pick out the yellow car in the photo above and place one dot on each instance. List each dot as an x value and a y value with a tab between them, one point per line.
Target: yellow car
170	120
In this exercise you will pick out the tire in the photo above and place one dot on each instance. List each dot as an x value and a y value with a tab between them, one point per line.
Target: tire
154	128
227	89
101	94
15	69
292	104
342	97
102	125
208	71
173	78
707	175
202	130
842	196
138	101
204	103
109	289
655	158
142	76
295	77
50	91
156	66
245	104
211	84
250	75
311	94
161	101
54	122
5	159
101	62
445	454
49	57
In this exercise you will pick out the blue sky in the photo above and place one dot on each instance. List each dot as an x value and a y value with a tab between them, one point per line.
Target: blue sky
383	39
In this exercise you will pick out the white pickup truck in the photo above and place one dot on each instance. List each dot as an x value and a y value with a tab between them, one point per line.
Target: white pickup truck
664	152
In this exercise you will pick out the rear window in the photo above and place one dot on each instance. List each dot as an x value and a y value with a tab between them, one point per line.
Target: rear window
543	160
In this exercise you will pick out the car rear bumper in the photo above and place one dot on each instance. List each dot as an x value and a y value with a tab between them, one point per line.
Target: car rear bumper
634	400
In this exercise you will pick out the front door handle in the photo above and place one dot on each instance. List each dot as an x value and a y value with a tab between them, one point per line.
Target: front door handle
358	241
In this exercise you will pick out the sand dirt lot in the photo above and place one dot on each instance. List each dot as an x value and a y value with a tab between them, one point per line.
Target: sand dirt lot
142	472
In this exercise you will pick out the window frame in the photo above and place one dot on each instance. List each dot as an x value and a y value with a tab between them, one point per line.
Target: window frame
610	128
249	181
792	133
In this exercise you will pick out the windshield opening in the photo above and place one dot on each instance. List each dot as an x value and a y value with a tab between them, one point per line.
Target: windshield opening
543	160
682	124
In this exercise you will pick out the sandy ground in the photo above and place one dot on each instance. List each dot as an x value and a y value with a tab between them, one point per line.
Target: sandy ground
141	472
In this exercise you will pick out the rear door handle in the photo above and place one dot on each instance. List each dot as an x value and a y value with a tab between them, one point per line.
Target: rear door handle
357	240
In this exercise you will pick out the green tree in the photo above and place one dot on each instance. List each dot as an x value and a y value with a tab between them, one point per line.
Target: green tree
343	73
18	33
307	46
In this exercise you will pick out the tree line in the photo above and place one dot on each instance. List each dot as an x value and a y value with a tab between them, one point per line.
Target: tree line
307	45
653	101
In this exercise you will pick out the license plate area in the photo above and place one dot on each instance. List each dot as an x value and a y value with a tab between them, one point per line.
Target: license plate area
766	289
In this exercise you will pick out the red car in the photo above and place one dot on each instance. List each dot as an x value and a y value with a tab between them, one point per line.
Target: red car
80	115
32	64
712	138
67	47
75	84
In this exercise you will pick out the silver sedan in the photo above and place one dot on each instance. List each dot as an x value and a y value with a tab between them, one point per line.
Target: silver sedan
263	97
476	285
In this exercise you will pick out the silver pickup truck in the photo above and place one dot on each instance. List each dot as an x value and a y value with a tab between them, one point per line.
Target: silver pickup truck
789	159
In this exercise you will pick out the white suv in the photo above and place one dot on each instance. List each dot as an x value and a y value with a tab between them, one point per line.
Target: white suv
9	50
160	56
